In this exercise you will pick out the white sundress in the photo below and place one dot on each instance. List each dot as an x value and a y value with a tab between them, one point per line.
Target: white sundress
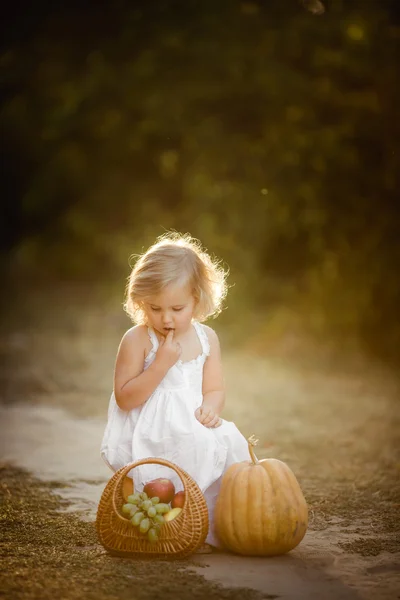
165	426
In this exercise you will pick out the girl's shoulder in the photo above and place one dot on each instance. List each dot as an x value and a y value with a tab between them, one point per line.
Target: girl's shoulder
137	337
211	336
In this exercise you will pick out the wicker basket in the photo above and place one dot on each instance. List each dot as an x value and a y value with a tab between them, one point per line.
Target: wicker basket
178	538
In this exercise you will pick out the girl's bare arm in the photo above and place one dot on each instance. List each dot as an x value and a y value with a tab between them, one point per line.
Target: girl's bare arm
213	383
132	385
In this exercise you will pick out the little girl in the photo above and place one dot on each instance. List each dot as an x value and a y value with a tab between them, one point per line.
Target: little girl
168	384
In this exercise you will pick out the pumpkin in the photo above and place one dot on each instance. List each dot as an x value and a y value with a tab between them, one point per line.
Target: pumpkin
260	509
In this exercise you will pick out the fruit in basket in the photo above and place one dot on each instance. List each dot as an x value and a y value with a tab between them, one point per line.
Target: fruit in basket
172	514
127	488
178	500
162	487
130	509
157	527
162	508
158	520
126	509
144	525
137	518
152	535
152	512
260	508
146	504
134	498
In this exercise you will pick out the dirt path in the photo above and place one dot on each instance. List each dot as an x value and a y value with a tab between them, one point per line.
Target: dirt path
338	431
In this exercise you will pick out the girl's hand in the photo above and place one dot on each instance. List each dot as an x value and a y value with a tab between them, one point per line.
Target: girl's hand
169	351
207	417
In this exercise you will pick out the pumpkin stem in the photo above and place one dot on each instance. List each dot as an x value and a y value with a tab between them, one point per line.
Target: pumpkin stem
252	441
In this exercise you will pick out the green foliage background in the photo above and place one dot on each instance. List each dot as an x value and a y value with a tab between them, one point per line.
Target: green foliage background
270	134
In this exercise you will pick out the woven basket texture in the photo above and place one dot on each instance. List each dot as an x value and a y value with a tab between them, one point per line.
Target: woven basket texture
177	539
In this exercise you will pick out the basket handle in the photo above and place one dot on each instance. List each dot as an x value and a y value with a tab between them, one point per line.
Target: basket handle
145	461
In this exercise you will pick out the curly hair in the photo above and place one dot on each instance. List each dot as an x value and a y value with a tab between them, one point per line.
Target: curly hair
179	259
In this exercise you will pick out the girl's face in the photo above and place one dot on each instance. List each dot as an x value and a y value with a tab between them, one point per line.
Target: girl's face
173	309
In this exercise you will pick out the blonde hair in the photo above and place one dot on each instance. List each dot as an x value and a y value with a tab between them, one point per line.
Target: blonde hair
179	259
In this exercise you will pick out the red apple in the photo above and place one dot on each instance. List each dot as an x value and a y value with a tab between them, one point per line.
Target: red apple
178	500
162	488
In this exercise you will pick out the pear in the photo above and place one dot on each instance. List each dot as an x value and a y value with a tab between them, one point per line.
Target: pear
172	514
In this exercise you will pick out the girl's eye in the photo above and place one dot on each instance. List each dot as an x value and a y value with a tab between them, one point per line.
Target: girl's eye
177	309
155	309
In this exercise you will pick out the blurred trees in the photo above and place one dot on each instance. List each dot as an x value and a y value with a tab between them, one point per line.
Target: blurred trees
271	135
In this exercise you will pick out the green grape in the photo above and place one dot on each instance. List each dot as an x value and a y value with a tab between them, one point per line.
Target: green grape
162	508
146	504
134	509
152	535
143	496
158	520
152	511
134	498
156	526
126	509
155	500
144	525
137	518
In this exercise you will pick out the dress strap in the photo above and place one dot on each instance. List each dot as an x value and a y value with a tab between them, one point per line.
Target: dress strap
153	339
201	332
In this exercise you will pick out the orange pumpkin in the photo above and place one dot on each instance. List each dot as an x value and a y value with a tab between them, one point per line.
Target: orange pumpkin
260	509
